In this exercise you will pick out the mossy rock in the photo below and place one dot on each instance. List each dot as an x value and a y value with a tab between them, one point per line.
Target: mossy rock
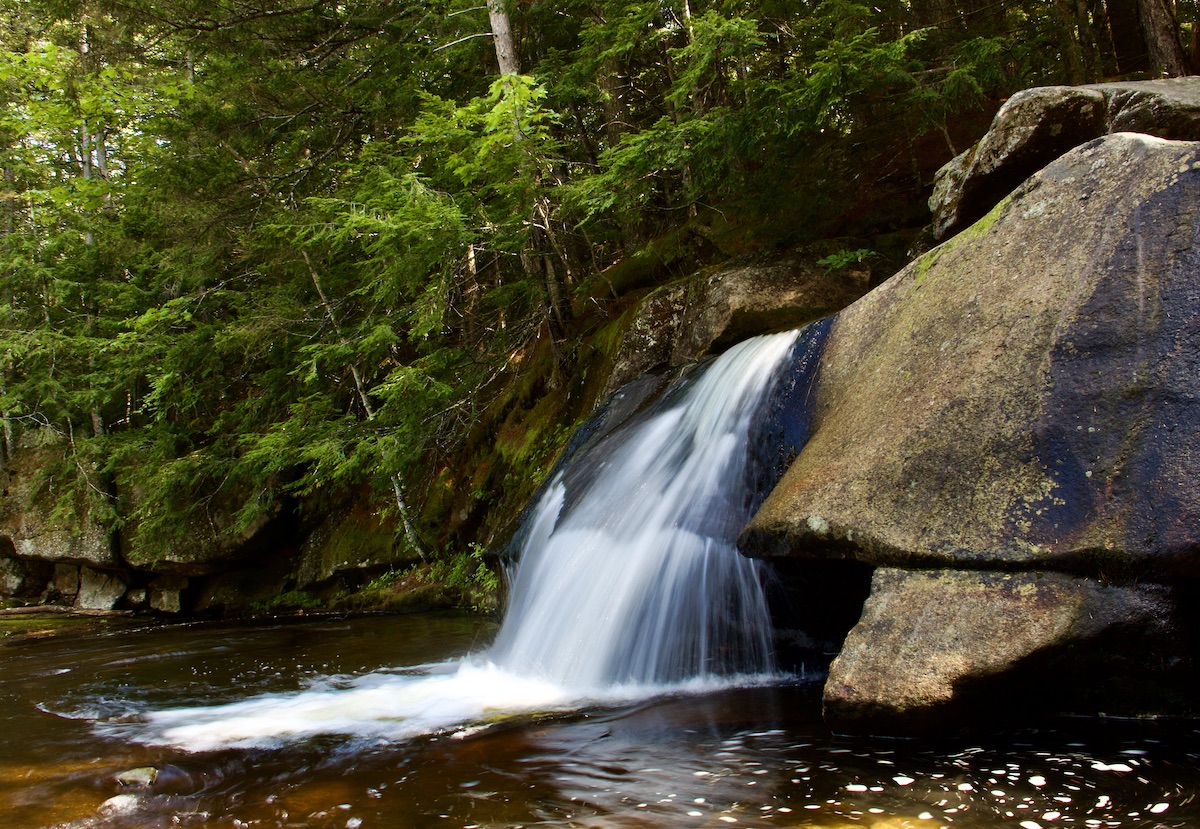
1026	395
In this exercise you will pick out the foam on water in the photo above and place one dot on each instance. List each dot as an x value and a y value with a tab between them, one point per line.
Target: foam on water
390	707
628	588
375	706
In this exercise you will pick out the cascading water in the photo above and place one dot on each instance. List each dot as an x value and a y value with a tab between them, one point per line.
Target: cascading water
639	581
629	583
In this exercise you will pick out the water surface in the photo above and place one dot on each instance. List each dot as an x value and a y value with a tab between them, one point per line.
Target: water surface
72	710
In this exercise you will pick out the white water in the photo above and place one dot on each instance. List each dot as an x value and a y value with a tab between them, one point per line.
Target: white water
640	581
630	588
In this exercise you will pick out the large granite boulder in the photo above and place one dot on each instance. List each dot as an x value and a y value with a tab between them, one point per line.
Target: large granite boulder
711	311
1024	397
1036	126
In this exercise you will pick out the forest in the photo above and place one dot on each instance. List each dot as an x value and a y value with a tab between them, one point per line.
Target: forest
279	254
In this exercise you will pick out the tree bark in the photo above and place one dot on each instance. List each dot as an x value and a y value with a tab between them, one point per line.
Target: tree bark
1065	12
502	36
506	58
1161	28
1129	43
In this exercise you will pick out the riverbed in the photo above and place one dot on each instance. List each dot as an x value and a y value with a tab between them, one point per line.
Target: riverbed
77	747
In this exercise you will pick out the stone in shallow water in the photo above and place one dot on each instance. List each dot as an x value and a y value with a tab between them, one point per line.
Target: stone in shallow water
122	804
139	778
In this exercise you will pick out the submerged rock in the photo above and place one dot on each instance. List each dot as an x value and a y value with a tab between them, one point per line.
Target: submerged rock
1024	397
139	778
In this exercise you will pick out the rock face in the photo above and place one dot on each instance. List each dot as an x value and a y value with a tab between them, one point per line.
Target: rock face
204	544
33	520
1024	397
677	324
348	543
98	591
1038	125
985	624
55	546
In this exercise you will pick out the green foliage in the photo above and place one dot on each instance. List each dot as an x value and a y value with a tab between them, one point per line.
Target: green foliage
845	258
466	579
281	257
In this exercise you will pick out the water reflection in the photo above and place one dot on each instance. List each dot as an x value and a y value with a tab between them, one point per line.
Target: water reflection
748	757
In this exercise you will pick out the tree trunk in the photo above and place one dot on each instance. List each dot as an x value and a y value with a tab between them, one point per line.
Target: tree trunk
1161	27
936	13
471	329
539	260
1129	44
1065	12
502	36
1088	31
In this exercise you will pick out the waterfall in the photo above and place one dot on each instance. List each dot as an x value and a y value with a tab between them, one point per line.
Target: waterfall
628	584
639	581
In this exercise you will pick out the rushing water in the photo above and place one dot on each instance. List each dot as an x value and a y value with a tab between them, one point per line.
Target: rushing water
640	582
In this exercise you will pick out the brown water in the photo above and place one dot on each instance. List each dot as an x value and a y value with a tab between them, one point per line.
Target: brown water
72	711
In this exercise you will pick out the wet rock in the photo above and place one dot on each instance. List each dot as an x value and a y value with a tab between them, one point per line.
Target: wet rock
98	591
1036	126
707	313
931	643
139	778
122	804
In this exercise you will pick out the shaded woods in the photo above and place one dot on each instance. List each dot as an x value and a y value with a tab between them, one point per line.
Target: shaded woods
274	255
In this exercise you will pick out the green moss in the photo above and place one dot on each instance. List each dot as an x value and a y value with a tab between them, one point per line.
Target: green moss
975	231
14	628
360	540
926	262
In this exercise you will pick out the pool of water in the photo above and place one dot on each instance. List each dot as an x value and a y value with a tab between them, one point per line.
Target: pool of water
74	714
